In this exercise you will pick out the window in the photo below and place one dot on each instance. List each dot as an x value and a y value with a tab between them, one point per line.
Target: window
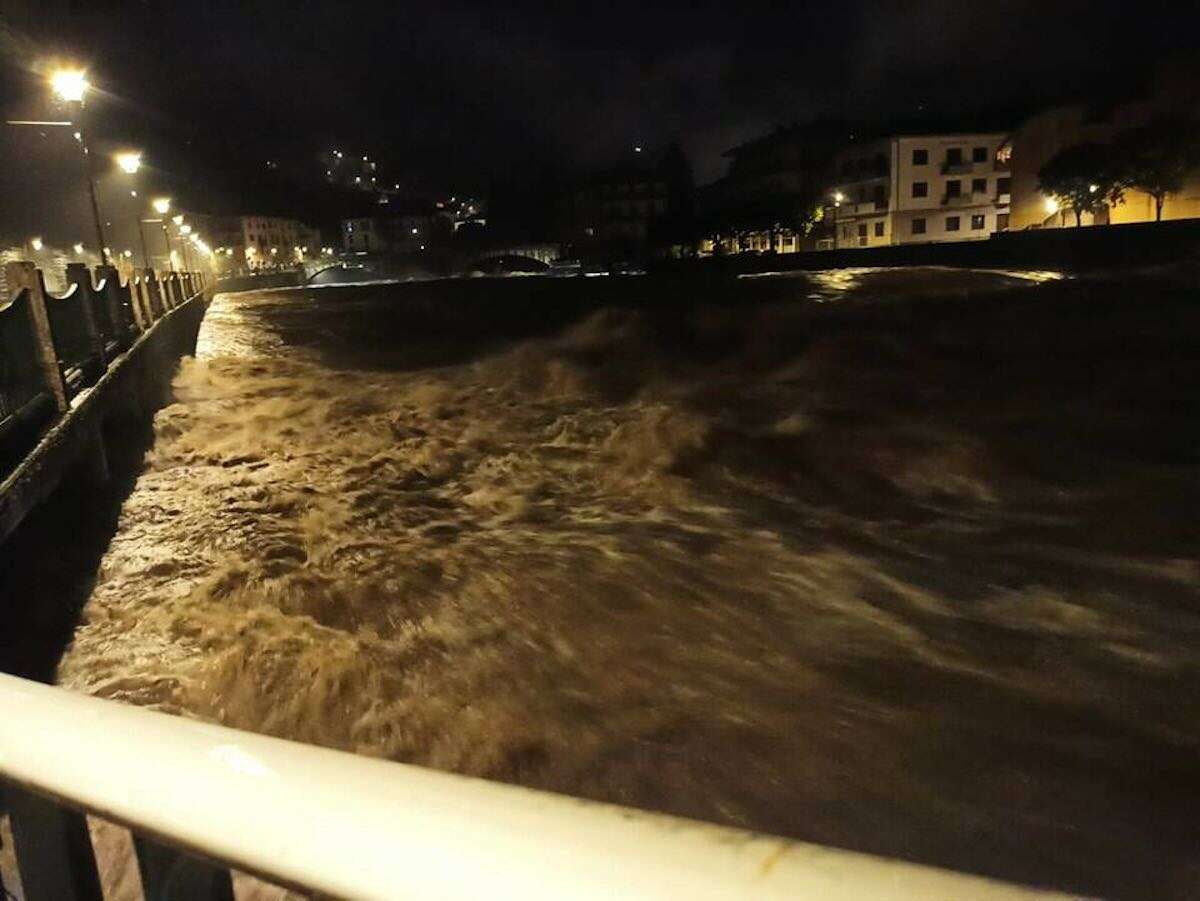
1004	185
1001	222
862	229
978	185
954	156
954	188
879	229
920	189
979	155
918	226
920	156
977	222
952	223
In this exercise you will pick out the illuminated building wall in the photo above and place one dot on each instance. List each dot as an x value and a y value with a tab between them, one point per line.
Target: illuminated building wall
1035	143
916	189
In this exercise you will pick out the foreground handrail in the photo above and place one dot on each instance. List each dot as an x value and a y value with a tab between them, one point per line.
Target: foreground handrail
357	827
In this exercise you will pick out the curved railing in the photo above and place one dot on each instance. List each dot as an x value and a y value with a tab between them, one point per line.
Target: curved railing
337	824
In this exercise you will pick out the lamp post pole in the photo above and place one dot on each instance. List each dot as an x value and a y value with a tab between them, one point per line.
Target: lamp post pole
145	252
76	108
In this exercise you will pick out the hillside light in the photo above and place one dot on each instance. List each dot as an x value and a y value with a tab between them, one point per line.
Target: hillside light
1092	189
69	85
162	205
129	162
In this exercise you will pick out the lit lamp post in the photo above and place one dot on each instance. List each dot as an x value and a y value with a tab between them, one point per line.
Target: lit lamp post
838	197
185	230
162	206
130	162
71	86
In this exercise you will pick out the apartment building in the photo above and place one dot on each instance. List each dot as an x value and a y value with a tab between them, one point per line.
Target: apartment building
920	188
270	240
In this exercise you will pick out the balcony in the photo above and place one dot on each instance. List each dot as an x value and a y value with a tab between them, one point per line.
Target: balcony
965	167
1003	199
866	207
967	199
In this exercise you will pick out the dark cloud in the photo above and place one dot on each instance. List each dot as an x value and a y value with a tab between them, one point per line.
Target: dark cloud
457	93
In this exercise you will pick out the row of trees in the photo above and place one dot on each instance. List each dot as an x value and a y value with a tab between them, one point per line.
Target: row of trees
1155	158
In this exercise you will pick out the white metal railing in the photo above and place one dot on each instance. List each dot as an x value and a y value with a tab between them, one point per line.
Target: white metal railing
356	827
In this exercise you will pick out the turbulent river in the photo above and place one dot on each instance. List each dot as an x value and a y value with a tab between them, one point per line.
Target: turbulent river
902	562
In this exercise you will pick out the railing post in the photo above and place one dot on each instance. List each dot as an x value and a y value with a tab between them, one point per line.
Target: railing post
54	851
116	309
78	274
154	295
174	876
137	298
24	276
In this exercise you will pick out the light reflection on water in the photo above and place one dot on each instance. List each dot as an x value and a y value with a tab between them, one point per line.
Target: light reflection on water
792	574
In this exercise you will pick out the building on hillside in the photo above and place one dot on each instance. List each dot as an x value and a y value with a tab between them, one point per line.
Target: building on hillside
765	201
627	209
919	188
411	232
1175	92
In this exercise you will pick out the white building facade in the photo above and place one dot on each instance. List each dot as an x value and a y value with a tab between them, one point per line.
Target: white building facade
920	189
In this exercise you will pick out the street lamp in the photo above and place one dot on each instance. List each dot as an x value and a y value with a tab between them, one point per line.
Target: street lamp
71	86
36	243
162	206
129	161
838	197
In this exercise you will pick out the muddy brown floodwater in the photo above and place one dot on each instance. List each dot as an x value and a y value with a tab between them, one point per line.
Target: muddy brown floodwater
903	562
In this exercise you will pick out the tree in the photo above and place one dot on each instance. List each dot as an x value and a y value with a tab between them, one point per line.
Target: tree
1083	178
1156	157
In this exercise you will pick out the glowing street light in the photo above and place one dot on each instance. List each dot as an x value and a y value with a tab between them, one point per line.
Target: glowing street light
36	244
838	197
162	205
69	85
78	248
1051	206
129	162
184	229
178	220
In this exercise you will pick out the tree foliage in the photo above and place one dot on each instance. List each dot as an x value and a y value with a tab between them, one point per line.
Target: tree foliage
1083	178
1156	157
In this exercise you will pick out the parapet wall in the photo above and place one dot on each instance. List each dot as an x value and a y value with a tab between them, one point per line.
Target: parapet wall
69	363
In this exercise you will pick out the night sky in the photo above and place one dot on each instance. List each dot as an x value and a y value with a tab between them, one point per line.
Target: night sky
452	95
